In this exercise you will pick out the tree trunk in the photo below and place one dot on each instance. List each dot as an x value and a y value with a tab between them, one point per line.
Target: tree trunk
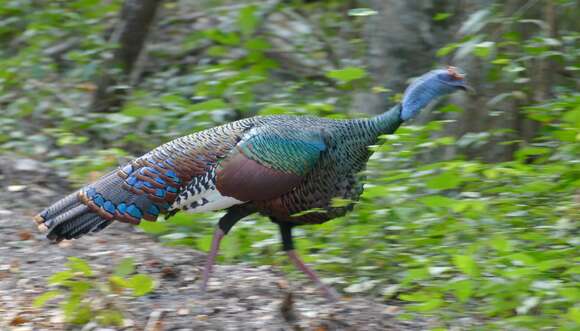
544	73
481	117
402	40
119	73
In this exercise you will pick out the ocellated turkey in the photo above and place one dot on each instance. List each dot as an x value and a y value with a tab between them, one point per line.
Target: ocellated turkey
278	166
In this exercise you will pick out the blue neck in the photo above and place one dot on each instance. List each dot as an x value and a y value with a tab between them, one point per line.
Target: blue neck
421	92
389	121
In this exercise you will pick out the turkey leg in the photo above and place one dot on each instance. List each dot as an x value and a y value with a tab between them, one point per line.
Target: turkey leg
218	235
225	224
288	246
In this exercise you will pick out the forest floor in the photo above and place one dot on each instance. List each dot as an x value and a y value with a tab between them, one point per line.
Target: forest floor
240	297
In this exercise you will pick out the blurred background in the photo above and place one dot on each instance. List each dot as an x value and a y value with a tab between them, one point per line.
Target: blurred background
470	210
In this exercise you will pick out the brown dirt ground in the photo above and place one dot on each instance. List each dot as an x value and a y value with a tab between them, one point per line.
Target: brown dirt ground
240	297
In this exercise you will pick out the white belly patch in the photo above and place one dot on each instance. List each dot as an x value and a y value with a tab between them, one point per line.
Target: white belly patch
201	195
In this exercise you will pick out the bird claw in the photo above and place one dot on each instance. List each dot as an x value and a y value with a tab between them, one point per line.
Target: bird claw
330	293
203	287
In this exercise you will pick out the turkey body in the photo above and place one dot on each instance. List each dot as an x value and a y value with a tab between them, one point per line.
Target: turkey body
289	168
286	183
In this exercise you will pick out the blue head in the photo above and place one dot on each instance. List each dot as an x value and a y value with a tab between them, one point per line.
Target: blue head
429	87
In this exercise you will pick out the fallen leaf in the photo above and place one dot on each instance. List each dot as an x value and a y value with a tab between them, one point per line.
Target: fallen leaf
168	273
183	311
24	235
88	87
153	263
392	310
18	320
14	267
282	283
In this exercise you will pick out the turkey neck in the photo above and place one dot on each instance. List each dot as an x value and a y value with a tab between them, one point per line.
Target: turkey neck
387	122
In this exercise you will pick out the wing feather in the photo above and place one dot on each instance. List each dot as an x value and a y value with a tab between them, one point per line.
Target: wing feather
269	162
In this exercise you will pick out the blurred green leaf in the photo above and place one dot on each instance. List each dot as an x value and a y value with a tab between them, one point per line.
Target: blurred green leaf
347	74
466	264
214	104
500	243
59	277
137	111
125	267
435	201
462	289
574	314
441	16
141	284
447	49
154	227
573	117
119	282
257	44
248	20
444	181
527	151
483	49
110	317
40	300
78	264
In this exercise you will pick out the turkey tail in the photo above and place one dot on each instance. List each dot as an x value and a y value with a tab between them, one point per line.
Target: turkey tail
69	218
144	189
63	218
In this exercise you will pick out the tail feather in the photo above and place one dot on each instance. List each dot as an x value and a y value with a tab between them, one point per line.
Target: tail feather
87	226
144	188
73	227
75	212
99	225
60	207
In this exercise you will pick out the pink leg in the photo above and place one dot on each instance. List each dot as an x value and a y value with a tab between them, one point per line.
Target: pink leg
215	246
328	291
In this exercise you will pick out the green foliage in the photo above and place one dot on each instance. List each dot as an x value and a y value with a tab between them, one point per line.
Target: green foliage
513	44
459	237
169	103
497	241
141	284
441	16
347	74
248	20
86	295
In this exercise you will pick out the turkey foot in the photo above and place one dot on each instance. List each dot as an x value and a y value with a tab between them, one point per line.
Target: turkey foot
288	246
330	293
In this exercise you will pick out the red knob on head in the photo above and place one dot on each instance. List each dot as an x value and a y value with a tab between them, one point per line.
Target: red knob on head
455	73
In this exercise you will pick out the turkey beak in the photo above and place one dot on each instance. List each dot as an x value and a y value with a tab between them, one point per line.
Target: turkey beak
467	88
